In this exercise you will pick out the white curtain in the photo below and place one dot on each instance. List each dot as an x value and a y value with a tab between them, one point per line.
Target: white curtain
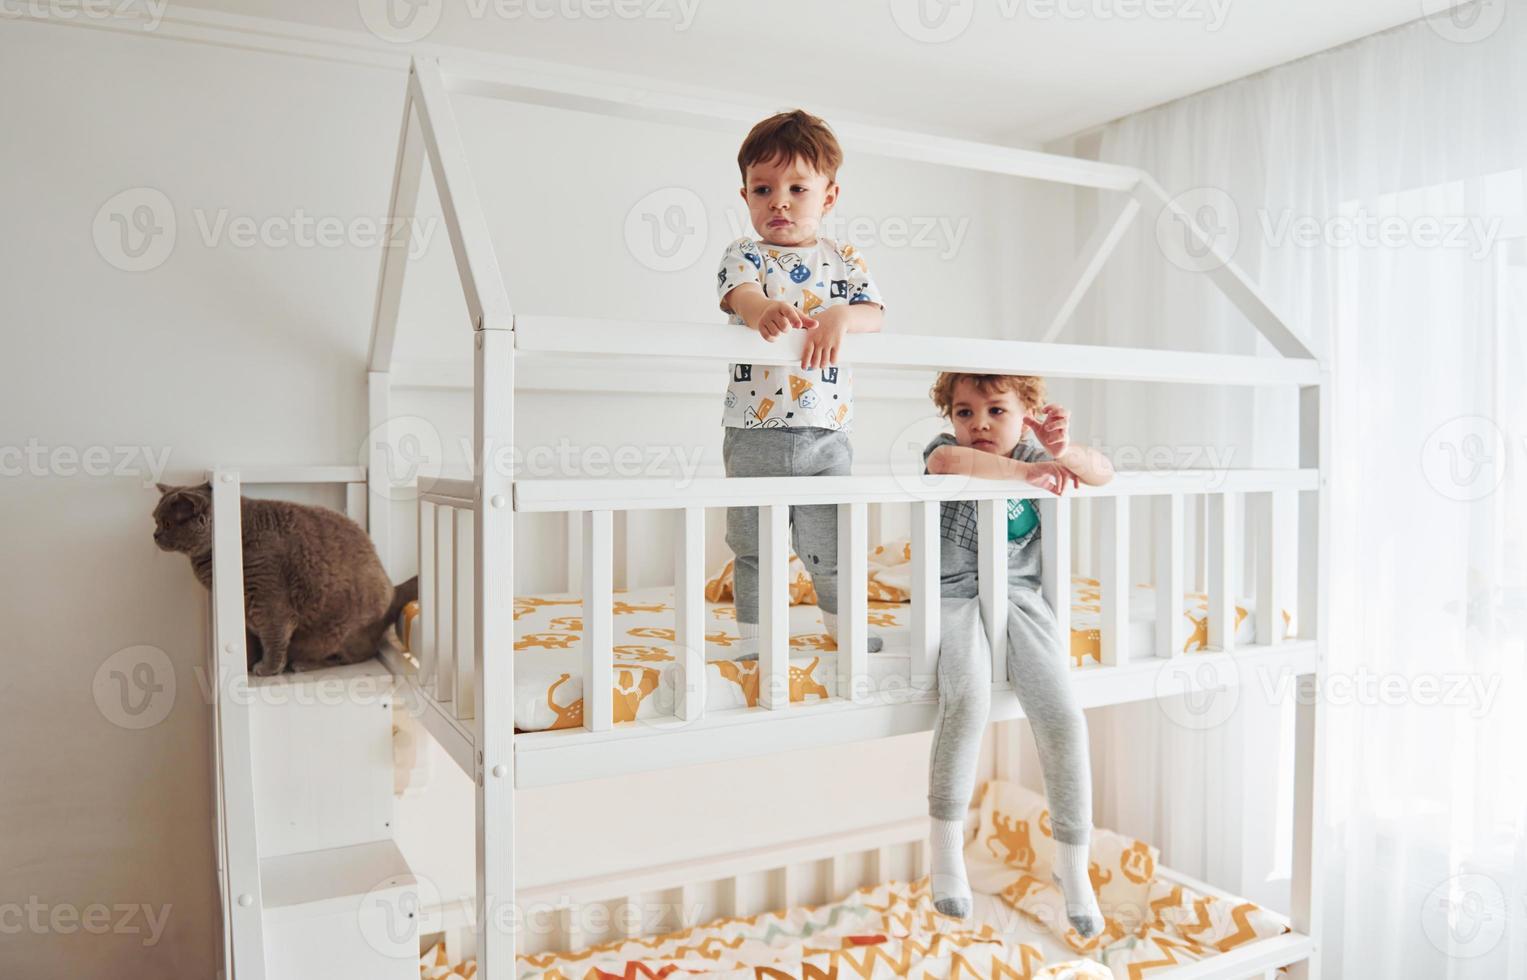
1378	190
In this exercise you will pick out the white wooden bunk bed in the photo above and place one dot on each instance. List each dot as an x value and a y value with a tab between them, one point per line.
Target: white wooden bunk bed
462	680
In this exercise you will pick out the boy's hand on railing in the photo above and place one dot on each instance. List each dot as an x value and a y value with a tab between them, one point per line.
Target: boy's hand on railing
1052	477
1053	431
778	318
824	340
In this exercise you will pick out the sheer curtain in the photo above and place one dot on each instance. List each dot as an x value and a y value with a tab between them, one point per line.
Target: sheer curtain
1375	193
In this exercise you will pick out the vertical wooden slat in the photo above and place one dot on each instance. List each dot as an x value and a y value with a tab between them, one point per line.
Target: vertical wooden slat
572	927
355	503
598	634
924	638
1262	540
1221	562
1305	902
1055	576
493	662
773	606
464	631
853	604
689	613
445	603
423	637
242	851
993	583
1113	579
1170	624
378	463
574	551
789	886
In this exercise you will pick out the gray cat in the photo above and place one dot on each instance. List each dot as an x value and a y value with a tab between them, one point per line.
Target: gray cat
315	593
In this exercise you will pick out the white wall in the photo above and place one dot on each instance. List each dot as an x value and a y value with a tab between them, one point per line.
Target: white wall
249	355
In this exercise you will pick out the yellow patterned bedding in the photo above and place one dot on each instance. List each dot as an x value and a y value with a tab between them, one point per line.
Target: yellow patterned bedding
548	631
1153	924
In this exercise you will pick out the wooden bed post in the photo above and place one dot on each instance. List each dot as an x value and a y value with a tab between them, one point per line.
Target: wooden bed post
242	898
493	425
1314	623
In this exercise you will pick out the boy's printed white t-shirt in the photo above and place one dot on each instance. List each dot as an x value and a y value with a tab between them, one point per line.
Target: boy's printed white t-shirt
812	278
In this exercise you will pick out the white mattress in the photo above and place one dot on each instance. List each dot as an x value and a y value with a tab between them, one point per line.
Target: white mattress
548	652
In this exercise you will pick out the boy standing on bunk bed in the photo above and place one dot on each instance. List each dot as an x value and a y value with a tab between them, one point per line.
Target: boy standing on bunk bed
789	420
994	418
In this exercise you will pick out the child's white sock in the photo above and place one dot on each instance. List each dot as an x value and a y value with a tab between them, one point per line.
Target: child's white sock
1070	874
747	646
951	889
830	620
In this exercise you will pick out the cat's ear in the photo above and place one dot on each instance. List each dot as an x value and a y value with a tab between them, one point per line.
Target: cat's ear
165	488
206	487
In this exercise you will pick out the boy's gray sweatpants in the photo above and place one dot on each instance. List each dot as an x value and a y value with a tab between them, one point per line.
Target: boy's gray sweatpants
1039	674
804	451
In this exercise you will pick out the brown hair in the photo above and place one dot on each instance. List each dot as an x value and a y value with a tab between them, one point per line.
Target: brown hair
1029	389
793	135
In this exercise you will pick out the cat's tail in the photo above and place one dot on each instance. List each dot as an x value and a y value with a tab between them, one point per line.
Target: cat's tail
402	595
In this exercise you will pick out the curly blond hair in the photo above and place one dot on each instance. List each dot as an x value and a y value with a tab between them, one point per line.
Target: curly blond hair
1030	390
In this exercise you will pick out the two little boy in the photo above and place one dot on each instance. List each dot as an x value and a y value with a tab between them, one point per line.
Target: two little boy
794	421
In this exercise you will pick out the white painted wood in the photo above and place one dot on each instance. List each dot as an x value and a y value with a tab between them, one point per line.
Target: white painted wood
377	470
321	752
444	618
1228	277
1114	580
453	493
574	546
689	613
789	886
1306	904
559	91
598	630
853	603
1267	534
404	202
493	425
463	619
706	341
422	639
1084	270
992	515
465	219
570	921
1055	575
242	896
773	607
923	639
556	496
354	909
355	502
252	475
1221	563
1171	628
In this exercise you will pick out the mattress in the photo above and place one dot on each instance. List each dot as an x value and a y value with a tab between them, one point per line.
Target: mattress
1153	923
548	631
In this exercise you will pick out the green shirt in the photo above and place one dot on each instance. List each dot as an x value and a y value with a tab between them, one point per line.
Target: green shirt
1022	518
